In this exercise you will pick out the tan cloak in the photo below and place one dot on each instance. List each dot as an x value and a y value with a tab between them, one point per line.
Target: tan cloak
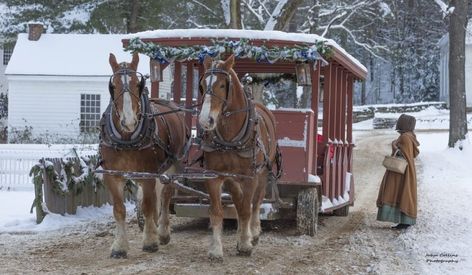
399	190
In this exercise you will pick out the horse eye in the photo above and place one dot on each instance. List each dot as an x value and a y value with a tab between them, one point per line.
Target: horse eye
222	86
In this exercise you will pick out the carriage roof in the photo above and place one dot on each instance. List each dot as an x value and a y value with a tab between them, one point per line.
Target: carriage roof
191	37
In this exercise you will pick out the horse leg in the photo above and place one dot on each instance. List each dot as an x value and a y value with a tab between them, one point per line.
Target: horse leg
119	248
244	245
256	206
158	190
164	221
236	196
149	209
216	218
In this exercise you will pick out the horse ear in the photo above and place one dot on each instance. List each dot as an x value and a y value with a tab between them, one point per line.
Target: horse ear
113	63
207	62
135	61
228	64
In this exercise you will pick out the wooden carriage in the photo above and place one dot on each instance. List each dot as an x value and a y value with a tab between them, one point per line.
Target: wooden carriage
316	142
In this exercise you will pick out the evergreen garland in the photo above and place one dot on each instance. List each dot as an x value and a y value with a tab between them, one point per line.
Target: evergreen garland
241	49
37	173
66	181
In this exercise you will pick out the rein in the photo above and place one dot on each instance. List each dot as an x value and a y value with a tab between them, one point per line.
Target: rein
189	109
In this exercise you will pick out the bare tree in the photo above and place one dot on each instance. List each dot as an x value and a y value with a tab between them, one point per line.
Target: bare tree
232	13
133	17
282	14
314	16
457	13
457	95
272	14
235	11
334	16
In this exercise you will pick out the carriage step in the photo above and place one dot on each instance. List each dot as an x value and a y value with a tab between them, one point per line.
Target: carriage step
196	210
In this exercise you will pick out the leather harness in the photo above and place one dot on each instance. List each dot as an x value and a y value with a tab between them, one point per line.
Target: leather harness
247	143
145	135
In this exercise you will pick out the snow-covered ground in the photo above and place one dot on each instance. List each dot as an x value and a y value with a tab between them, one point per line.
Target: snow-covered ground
428	119
15	216
443	234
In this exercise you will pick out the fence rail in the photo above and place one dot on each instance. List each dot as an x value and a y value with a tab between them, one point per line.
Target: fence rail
16	161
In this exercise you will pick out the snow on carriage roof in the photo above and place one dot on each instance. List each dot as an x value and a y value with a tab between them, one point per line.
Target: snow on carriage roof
69	55
247	34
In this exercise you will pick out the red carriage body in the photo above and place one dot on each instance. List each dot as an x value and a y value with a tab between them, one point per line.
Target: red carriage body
317	146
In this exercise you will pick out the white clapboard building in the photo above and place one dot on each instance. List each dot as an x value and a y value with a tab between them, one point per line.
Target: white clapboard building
5	54
58	83
444	69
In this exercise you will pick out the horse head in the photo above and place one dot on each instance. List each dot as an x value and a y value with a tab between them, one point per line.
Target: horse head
126	86
216	89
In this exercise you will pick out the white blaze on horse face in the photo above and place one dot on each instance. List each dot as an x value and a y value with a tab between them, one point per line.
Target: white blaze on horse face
128	117
208	117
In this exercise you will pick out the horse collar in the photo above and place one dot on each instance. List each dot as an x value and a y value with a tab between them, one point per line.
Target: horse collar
141	138
241	143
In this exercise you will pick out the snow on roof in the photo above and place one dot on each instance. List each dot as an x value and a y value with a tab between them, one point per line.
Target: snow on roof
69	55
246	34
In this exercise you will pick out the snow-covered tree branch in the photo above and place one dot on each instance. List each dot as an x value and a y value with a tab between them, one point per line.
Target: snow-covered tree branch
445	9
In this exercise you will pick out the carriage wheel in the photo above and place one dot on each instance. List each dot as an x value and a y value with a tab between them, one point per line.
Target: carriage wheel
342	212
307	211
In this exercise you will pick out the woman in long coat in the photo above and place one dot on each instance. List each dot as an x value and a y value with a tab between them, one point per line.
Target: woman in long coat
397	195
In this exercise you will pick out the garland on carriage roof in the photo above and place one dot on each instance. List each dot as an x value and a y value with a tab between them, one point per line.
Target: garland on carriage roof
241	49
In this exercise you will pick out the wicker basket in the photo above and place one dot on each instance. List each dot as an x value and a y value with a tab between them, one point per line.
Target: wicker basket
395	163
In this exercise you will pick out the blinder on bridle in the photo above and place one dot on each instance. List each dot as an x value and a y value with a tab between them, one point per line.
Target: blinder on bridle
209	90
126	88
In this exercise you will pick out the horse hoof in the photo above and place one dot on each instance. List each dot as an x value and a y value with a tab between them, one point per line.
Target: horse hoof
244	251
151	248
255	241
164	239
215	258
118	254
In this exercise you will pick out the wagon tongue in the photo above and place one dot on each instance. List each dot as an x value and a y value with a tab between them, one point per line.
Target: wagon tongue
164	178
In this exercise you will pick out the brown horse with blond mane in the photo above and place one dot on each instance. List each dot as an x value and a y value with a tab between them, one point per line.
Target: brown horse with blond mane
134	139
238	141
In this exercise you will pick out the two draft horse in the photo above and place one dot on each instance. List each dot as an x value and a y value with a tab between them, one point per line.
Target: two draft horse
133	139
239	140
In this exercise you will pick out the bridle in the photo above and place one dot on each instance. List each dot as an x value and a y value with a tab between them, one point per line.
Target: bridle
126	87
143	134
212	72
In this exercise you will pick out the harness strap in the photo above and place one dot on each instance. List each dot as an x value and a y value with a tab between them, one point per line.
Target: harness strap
241	142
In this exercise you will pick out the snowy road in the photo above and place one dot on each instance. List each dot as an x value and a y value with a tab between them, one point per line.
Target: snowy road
356	244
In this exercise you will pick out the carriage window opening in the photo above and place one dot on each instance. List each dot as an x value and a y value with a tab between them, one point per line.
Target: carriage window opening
7	52
89	113
320	102
321	89
277	90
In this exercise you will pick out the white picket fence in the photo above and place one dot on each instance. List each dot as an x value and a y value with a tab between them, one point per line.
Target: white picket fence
16	161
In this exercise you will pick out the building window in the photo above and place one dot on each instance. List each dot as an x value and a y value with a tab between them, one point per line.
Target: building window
7	52
89	113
